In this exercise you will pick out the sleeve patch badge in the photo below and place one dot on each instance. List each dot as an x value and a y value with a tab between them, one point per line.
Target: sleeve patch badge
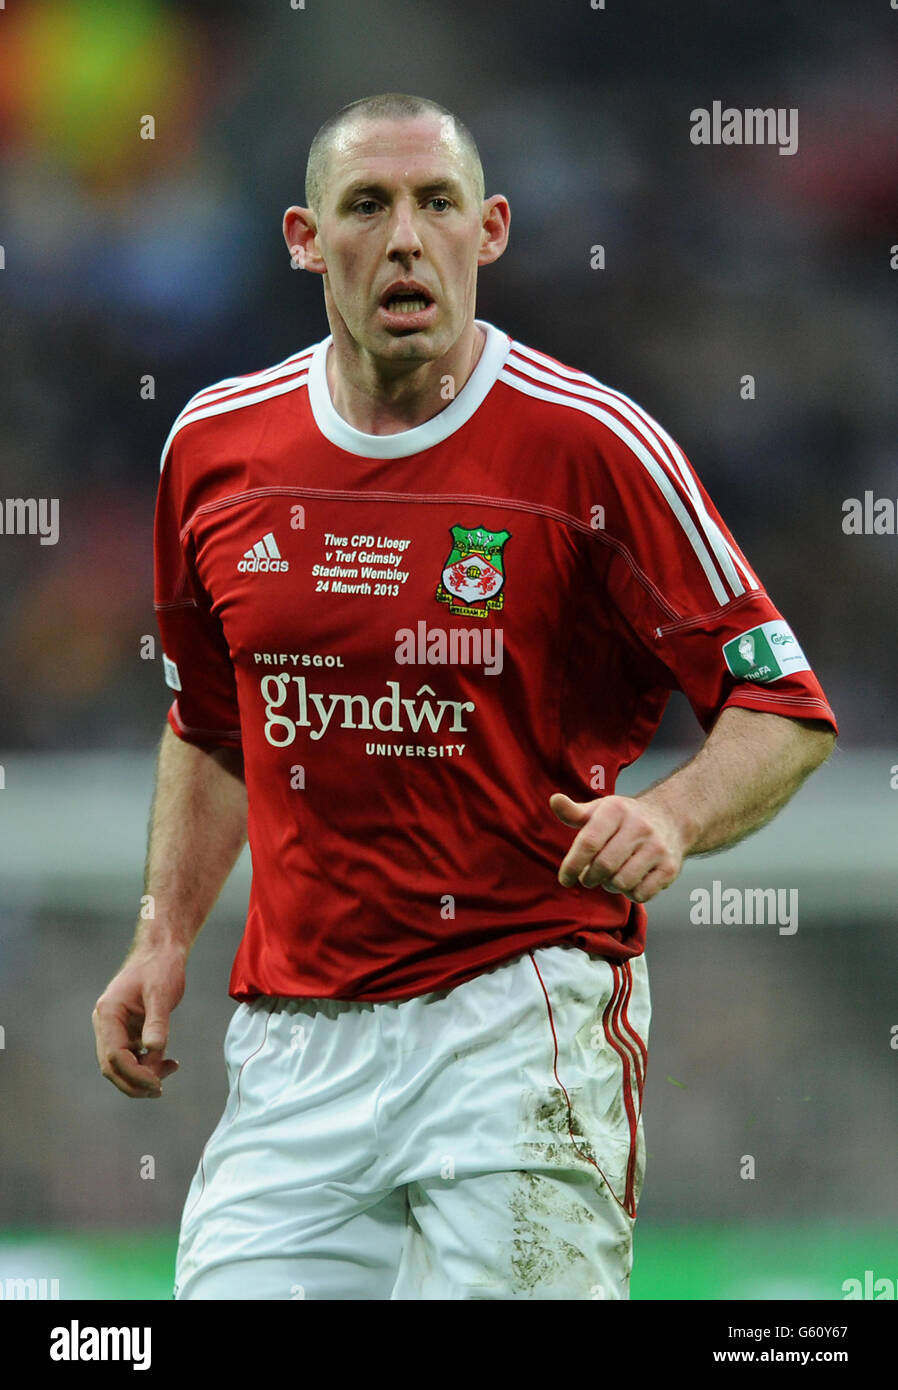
172	677
765	653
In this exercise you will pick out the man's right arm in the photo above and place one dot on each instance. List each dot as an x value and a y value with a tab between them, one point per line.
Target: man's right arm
197	830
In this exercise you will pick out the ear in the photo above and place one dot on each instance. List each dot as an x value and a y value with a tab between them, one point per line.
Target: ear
301	236
496	220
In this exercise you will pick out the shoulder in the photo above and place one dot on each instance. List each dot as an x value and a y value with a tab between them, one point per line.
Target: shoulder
239	393
587	410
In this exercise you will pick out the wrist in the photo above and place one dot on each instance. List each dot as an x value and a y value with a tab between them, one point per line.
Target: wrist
158	937
680	815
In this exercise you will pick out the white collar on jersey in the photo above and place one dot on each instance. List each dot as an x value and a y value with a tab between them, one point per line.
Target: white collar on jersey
433	431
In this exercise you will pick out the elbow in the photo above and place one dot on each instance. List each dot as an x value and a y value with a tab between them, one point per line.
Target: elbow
820	740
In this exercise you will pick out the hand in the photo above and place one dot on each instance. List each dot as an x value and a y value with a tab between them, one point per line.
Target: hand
131	1021
624	844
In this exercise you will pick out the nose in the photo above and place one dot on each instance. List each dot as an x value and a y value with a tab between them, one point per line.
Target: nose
404	242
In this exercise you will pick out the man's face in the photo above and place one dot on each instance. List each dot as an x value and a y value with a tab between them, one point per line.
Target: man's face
400	229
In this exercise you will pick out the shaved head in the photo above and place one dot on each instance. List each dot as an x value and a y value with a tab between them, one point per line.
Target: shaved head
391	106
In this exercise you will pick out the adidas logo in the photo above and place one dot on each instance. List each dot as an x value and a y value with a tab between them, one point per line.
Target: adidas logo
263	557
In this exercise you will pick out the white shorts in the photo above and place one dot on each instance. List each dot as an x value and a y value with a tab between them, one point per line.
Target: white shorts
479	1142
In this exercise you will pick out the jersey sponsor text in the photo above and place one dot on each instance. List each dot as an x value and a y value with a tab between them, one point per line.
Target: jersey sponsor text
358	712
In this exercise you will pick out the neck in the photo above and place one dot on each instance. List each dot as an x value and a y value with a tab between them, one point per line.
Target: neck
387	400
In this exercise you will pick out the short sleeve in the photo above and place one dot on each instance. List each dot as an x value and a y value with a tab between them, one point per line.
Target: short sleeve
683	587
196	660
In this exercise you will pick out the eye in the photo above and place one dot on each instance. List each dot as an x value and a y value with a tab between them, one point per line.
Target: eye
440	199
365	205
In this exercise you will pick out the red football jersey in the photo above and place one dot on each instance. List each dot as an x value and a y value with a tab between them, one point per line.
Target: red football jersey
417	638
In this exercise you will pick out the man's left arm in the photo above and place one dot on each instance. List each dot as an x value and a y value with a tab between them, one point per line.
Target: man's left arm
749	766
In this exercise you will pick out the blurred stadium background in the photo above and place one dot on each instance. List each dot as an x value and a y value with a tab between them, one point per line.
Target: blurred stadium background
127	258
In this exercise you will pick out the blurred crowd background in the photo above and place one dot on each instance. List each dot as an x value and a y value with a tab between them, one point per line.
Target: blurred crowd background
127	258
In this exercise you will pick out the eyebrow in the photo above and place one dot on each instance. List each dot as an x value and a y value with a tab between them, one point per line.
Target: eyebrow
379	190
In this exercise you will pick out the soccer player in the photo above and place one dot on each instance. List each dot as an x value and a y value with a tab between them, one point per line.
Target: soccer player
423	591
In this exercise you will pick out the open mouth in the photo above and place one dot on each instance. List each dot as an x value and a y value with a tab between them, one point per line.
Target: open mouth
401	305
413	301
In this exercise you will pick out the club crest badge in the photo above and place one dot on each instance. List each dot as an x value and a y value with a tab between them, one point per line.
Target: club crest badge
473	578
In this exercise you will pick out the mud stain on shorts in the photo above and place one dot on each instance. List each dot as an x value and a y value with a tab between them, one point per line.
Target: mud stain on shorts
549	1122
539	1195
540	1206
539	1259
540	1255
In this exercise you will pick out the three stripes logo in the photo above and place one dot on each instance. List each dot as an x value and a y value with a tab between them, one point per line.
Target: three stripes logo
264	557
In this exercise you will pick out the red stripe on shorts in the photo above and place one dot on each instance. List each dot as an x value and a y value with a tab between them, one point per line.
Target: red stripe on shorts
628	1204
